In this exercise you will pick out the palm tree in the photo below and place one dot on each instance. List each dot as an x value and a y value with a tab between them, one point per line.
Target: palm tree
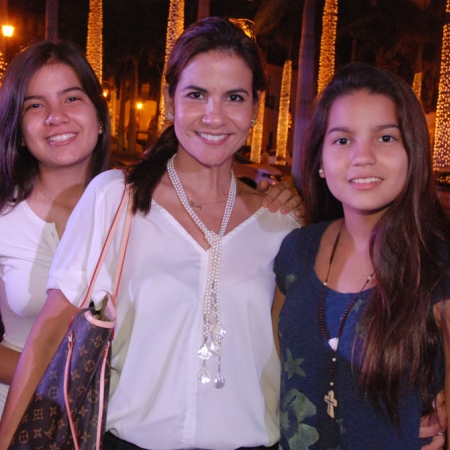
328	43
305	85
283	113
94	46
441	158
203	9
175	26
51	20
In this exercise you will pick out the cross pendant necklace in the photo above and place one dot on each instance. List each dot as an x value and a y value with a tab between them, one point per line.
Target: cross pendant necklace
330	398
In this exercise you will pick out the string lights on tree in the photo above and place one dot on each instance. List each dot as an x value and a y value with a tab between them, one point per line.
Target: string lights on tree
248	27
417	80
175	26
3	65
327	43
417	84
257	135
283	113
94	46
441	155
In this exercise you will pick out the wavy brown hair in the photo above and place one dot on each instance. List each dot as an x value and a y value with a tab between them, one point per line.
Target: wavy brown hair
18	167
409	245
210	34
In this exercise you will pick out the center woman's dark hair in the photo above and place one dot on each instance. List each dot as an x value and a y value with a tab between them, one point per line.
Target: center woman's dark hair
211	34
18	167
409	245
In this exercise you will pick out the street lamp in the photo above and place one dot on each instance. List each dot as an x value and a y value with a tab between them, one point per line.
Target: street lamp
7	30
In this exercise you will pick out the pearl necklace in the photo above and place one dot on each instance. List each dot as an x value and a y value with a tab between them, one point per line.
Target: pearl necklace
213	331
330	398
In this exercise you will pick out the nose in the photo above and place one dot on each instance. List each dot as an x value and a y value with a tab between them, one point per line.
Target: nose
214	114
56	115
363	154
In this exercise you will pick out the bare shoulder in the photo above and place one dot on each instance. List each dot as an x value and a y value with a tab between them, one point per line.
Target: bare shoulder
250	197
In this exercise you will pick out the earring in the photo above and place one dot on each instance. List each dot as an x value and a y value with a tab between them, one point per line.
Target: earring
22	142
321	173
170	117
100	129
252	123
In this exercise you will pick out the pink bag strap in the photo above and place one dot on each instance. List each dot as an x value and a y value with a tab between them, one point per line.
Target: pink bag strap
125	201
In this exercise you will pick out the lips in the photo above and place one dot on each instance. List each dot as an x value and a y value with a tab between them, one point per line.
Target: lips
61	137
212	137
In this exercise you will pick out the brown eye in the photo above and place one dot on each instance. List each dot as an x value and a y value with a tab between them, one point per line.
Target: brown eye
342	141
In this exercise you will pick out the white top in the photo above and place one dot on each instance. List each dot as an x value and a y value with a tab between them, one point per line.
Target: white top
156	401
27	247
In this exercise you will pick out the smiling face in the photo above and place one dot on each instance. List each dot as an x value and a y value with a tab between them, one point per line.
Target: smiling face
363	157
59	122
213	107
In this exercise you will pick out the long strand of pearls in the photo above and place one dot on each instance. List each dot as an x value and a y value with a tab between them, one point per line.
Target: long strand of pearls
213	331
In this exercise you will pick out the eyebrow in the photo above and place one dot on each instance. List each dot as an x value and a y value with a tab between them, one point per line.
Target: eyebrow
377	128
64	91
231	91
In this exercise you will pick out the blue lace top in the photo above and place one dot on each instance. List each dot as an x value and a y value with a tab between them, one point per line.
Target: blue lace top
306	363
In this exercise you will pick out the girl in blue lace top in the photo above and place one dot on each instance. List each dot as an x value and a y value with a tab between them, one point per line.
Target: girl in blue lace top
362	289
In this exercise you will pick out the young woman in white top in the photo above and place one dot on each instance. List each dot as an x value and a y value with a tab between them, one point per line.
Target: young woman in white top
55	137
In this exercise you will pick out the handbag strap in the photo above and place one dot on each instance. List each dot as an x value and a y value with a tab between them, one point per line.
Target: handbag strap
126	200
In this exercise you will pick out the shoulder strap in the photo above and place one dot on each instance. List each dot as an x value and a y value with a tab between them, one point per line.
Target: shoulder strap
126	200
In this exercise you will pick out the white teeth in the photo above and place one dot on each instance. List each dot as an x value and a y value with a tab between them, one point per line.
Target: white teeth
210	137
61	137
366	180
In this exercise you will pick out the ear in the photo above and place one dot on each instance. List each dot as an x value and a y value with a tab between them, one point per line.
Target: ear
321	171
168	100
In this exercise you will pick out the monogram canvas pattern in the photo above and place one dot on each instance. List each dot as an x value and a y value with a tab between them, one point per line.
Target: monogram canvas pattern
45	424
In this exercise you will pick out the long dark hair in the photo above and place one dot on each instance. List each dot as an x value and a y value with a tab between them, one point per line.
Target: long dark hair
18	167
211	34
400	333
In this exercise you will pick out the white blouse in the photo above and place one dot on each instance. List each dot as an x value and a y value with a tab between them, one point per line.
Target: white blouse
156	401
27	247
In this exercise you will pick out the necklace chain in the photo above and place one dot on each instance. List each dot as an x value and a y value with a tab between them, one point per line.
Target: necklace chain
51	199
213	331
198	206
330	398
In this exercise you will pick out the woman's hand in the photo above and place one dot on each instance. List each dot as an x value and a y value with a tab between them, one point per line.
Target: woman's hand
434	425
282	196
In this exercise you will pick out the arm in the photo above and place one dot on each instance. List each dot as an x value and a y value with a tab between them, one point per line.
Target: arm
45	336
8	363
282	196
278	302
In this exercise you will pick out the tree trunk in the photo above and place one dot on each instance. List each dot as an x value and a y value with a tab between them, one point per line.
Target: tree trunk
441	159
203	9
94	45
121	128
175	26
305	85
51	20
132	129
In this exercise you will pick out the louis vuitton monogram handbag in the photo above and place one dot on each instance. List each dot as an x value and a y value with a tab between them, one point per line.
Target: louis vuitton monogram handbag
68	409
